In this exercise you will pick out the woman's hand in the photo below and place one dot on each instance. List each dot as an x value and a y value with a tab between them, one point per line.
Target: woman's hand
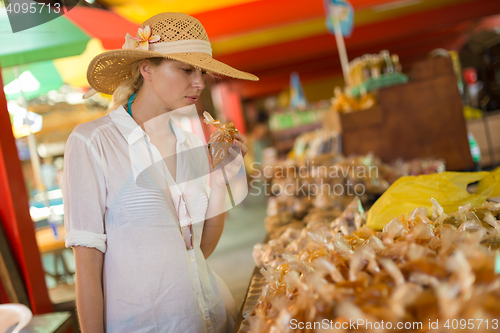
239	141
214	223
232	163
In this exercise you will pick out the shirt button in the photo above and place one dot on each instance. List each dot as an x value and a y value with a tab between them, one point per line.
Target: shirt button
191	259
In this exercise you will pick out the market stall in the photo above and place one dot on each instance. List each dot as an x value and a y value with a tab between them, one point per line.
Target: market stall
413	253
422	118
422	268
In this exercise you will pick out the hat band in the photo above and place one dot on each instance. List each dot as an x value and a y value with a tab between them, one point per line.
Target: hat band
182	46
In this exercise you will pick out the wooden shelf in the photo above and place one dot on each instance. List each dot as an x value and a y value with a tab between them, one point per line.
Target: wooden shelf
285	139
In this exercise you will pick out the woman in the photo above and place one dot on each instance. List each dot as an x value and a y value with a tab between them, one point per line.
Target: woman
139	251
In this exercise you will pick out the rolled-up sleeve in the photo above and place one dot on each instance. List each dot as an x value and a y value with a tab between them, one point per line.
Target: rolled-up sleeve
84	193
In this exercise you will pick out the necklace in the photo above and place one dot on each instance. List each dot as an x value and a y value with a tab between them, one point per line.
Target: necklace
129	104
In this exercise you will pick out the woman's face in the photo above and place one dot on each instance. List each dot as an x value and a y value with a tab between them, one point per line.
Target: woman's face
176	84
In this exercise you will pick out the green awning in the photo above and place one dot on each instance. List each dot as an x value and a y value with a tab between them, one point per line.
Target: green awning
57	38
36	79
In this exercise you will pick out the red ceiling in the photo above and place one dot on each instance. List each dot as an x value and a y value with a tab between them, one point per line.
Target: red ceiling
106	25
411	36
260	15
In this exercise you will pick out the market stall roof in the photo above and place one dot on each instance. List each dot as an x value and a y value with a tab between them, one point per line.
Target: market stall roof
107	26
39	78
272	38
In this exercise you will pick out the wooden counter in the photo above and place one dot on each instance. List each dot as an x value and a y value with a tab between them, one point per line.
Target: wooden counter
253	293
46	240
58	322
49	244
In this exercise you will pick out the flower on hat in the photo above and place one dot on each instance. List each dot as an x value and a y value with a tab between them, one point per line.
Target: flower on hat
145	38
129	42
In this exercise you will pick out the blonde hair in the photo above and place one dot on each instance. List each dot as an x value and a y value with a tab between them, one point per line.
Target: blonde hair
131	84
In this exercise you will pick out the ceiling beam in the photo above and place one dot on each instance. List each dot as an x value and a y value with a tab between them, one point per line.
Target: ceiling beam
269	68
322	68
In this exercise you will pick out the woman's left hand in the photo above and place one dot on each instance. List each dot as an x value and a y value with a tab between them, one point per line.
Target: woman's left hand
239	141
232	163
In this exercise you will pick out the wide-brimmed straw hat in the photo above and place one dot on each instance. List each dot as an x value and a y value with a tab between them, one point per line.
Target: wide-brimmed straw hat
174	36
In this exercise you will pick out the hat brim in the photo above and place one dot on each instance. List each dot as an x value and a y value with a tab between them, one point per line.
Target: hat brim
108	69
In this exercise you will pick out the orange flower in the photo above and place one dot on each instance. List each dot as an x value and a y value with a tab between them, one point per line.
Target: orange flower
145	38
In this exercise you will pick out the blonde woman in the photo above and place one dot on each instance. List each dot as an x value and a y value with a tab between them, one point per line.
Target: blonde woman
140	236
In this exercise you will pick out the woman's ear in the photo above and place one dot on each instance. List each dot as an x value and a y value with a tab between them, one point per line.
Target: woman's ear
145	67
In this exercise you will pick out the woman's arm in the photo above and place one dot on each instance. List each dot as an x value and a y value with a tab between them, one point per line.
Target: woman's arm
213	227
89	295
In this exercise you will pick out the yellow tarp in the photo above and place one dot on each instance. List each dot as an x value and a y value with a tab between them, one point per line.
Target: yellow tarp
73	70
448	188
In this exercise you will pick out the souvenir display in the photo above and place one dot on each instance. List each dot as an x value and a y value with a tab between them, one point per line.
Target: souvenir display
373	66
374	71
321	142
415	272
328	182
345	102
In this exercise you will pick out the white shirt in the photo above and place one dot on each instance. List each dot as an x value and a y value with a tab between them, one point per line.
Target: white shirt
151	282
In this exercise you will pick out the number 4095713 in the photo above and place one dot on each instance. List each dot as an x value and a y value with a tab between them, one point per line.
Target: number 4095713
16	8
471	324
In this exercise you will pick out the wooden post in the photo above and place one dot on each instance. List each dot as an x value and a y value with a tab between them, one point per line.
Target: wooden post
9	274
339	38
15	216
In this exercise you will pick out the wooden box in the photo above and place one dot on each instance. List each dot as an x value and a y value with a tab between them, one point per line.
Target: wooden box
421	119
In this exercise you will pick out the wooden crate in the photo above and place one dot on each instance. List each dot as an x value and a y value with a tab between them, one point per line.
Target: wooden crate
421	119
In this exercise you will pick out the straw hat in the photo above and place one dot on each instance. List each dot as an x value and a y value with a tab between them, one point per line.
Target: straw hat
174	36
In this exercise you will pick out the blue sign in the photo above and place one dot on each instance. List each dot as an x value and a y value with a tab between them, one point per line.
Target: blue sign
297	96
345	14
